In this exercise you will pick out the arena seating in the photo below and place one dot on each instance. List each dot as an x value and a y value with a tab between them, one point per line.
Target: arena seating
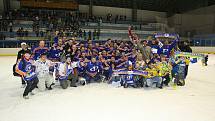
116	30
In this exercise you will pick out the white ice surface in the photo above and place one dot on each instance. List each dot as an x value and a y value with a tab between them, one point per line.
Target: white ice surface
101	102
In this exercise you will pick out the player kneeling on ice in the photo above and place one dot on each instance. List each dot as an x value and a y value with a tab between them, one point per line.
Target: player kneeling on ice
127	77
43	67
153	76
129	80
66	74
81	72
93	71
26	69
165	71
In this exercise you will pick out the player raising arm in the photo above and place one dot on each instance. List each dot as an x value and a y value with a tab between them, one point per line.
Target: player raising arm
144	49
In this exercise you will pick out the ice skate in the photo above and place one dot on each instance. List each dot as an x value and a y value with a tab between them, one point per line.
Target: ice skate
26	97
23	86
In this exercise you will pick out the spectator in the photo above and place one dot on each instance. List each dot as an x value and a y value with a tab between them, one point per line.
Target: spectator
98	34
140	26
2	36
11	27
56	38
94	34
22	32
0	25
26	33
89	35
116	18
18	32
51	26
80	33
41	33
37	33
85	35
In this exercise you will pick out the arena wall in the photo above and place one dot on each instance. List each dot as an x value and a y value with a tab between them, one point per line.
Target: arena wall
9	51
203	10
84	8
15	4
102	11
14	51
210	50
1	6
143	15
199	21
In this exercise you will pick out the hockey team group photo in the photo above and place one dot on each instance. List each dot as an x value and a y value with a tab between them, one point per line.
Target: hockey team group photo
107	60
156	62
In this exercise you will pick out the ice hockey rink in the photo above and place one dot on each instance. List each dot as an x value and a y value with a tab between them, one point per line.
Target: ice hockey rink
101	102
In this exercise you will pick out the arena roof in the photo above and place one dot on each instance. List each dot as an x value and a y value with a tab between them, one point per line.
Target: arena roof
171	6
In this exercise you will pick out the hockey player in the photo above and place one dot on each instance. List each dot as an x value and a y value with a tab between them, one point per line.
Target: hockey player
187	62
165	70
81	72
155	48
179	71
112	64
106	68
20	56
129	79
133	57
39	50
153	76
144	48
156	58
26	69
66	74
55	53
122	62
167	48
93	71
43	66
206	60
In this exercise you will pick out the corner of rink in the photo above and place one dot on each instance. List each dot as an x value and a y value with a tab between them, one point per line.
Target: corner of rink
194	101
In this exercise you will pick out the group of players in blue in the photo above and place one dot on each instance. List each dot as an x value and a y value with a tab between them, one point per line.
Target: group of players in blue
125	63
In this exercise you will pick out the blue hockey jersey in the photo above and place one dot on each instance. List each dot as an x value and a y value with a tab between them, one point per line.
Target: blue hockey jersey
129	79
54	54
27	67
166	49
38	51
94	67
155	49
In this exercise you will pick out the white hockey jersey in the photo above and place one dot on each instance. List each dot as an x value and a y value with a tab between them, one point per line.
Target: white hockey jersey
65	70
42	68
